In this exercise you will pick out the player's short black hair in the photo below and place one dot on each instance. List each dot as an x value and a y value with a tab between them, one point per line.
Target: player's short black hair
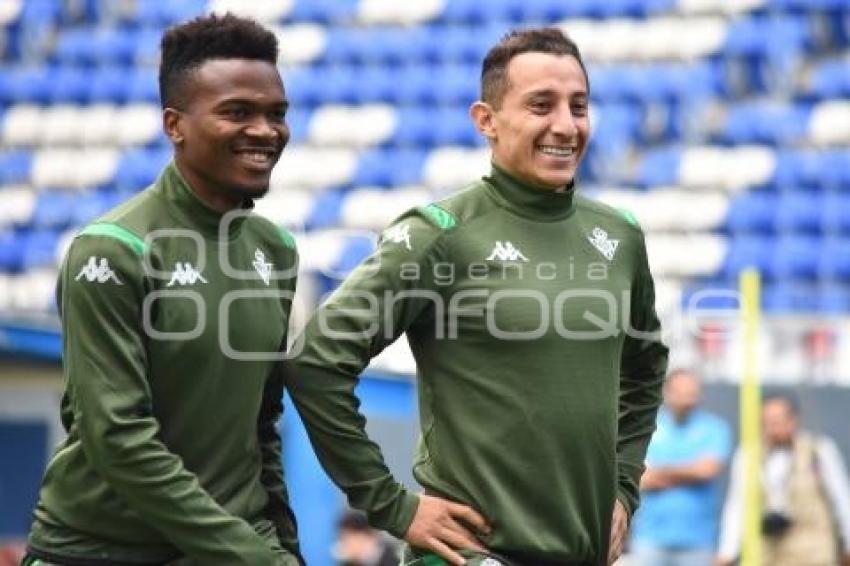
494	69
185	47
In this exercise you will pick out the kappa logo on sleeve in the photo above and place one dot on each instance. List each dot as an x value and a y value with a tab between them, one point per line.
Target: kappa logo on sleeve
97	271
398	234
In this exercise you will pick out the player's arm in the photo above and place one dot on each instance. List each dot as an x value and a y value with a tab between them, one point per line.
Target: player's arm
642	369
385	295
277	510
106	367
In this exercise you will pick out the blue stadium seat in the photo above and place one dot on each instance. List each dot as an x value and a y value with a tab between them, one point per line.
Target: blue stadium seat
799	212
39	248
709	294
70	84
298	121
829	79
453	126
833	298
74	47
752	212
303	85
377	84
658	167
756	36
414	85
415	127
109	84
789	297
139	168
53	209
15	167
833	257
326	211
27	84
142	85
164	14
387	168
745	252
835	213
11	251
457	84
794	258
474	12
354	251
323	11
86	207
765	123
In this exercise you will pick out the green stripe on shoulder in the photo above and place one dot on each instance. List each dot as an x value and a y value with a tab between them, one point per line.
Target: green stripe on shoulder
115	231
287	237
630	216
440	216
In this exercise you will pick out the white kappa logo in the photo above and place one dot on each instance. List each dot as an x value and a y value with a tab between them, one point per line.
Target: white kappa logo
399	234
263	267
506	252
98	271
603	243
185	274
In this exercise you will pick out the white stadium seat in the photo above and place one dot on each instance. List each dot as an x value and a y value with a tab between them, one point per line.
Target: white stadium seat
356	126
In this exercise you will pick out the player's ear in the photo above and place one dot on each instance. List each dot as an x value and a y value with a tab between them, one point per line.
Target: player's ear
482	115
172	125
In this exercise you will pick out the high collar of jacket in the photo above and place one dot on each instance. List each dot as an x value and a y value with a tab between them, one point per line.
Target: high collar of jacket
187	207
529	200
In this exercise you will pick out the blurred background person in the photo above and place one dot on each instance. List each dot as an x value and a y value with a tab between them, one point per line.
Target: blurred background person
805	495
358	544
676	524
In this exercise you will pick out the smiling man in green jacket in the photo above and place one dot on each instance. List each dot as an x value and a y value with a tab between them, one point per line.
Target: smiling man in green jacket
175	308
530	313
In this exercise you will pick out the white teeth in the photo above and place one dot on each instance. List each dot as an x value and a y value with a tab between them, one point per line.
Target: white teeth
257	156
557	151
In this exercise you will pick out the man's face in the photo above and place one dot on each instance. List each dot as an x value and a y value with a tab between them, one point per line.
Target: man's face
779	422
541	130
232	131
682	394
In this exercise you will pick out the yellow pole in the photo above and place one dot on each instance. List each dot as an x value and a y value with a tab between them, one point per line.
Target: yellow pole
750	412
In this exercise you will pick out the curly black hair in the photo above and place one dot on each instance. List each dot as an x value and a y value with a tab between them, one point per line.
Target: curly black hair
494	69
185	47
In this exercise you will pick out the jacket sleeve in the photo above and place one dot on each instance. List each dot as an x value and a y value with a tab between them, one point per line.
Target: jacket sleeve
384	296
642	370
277	510
102	294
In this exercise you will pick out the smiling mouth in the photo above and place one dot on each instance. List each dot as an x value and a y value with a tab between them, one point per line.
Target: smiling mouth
556	151
258	156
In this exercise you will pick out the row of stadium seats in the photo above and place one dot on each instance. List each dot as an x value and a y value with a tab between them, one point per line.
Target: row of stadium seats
366	12
710	167
756	122
657	39
308	87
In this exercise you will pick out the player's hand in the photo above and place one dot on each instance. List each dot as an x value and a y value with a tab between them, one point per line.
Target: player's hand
442	526
718	561
619	528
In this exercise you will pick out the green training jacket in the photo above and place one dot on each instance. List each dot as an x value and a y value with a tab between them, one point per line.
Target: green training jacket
531	317
170	334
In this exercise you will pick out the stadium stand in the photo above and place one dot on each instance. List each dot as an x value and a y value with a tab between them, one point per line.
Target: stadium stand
725	125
